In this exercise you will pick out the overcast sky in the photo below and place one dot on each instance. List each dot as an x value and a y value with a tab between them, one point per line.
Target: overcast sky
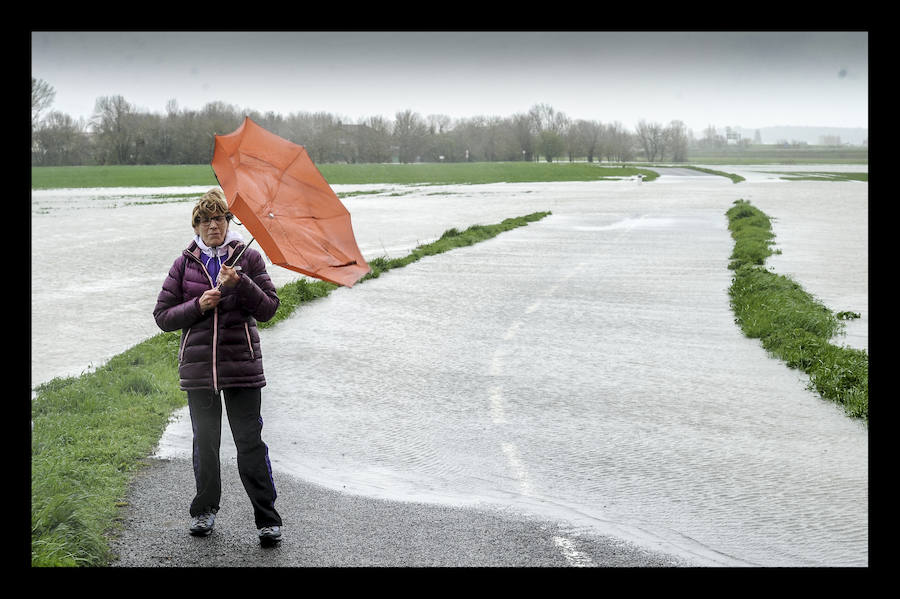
749	80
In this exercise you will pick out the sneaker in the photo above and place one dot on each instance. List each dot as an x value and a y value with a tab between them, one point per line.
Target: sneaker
269	535
202	525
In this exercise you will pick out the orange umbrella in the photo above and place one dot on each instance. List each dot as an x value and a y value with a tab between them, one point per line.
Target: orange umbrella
278	194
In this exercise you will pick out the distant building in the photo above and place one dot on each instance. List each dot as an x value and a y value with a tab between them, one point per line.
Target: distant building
732	137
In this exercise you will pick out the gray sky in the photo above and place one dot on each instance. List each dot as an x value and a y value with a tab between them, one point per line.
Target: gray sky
723	79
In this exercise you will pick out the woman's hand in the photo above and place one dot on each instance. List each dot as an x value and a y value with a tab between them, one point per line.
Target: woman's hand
210	299
228	276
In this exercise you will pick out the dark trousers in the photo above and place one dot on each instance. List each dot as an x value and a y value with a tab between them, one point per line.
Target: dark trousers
243	408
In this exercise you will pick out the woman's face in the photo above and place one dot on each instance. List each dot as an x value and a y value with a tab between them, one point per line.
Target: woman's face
212	230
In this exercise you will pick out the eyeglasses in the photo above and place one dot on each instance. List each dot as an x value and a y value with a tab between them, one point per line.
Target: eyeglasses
219	220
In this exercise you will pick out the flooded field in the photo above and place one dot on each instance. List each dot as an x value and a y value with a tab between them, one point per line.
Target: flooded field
585	367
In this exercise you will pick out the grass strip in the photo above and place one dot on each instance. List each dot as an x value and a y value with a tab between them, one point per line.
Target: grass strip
735	178
303	290
791	324
91	432
452	173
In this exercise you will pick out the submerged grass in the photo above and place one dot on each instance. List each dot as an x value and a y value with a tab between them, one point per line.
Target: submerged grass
303	290
735	178
790	323
823	176
91	433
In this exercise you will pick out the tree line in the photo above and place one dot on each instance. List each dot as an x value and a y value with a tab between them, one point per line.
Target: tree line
119	133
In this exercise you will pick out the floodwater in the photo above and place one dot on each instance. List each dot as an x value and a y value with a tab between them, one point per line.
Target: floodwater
583	368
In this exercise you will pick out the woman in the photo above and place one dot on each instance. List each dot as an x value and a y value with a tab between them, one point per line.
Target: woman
216	304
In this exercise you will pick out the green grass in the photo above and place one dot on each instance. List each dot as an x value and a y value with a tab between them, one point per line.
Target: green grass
752	234
791	324
53	177
91	432
475	172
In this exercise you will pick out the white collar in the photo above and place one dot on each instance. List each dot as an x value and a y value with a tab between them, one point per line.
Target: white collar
222	249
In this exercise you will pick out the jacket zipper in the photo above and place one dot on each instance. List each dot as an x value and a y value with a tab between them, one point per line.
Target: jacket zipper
215	346
249	342
215	373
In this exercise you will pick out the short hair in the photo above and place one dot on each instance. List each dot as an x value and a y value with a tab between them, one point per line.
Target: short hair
212	203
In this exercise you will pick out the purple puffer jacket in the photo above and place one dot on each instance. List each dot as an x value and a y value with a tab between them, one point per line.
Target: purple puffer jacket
220	348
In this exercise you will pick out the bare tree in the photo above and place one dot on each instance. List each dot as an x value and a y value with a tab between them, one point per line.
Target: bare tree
323	144
651	137
492	138
711	138
546	118
42	95
677	141
551	126
507	139
409	133
438	123
586	136
572	138
124	135
60	141
113	131
438	143
645	138
374	139
469	137
617	142
522	135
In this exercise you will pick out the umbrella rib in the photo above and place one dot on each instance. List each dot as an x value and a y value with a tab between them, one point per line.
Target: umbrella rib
285	169
300	252
302	150
325	245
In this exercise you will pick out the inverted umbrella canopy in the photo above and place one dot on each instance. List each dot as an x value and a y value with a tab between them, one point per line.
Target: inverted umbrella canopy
278	194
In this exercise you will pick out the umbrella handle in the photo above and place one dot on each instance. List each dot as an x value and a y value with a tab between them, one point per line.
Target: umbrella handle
238	257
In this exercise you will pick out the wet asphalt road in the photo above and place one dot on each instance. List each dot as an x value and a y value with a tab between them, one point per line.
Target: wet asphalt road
325	528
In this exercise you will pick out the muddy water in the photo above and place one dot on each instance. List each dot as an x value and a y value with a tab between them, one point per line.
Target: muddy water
585	367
